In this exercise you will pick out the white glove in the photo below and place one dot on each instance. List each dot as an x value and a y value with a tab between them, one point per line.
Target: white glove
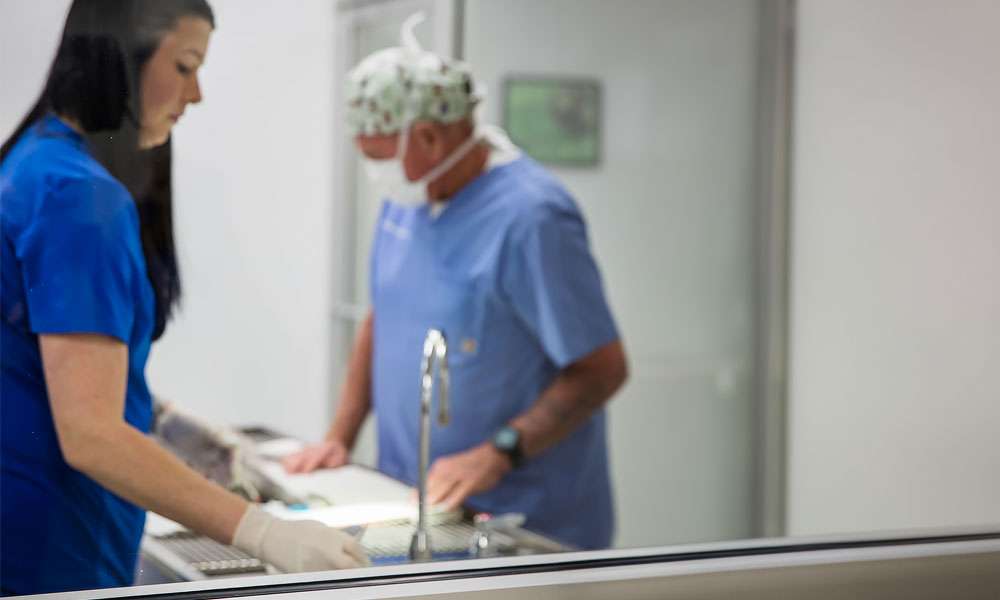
296	546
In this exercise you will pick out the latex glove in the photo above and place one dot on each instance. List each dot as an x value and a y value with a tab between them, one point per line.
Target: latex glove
296	546
325	455
452	479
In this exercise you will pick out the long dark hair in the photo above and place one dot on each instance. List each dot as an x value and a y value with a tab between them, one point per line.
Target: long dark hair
94	80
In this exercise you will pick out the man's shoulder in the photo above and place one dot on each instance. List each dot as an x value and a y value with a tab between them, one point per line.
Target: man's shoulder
532	194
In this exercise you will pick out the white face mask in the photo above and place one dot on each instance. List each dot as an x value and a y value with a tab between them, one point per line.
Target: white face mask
389	177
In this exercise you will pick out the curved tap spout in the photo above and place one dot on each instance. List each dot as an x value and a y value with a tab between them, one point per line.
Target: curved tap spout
435	352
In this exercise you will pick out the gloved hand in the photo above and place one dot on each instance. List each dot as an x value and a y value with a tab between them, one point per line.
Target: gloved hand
296	546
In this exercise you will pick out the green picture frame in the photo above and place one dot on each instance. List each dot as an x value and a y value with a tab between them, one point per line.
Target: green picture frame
556	121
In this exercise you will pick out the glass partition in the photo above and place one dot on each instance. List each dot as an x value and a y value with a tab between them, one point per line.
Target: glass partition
570	353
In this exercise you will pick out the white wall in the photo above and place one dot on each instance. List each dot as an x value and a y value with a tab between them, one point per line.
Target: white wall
253	194
670	210
29	34
894	395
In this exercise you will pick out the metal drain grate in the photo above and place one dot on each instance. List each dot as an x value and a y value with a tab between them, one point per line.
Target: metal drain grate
390	541
208	556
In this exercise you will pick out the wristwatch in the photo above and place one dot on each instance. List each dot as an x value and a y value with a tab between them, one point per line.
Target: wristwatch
508	440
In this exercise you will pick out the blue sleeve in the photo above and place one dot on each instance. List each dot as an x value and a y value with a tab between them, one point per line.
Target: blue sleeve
554	285
79	260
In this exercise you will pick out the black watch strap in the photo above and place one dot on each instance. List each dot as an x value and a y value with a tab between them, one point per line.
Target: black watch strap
507	439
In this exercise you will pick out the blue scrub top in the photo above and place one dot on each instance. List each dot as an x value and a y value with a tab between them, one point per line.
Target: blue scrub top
72	263
506	272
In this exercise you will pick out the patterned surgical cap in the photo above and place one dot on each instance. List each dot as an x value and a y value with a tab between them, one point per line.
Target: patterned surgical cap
401	85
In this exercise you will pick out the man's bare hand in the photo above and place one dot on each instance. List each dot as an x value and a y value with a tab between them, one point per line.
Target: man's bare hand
325	455
454	478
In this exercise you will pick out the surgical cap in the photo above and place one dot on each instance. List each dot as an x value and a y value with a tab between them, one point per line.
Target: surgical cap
396	86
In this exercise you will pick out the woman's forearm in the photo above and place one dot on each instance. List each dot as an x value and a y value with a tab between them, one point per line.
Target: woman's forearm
86	376
133	466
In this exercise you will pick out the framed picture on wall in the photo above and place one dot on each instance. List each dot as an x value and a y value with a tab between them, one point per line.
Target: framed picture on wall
555	120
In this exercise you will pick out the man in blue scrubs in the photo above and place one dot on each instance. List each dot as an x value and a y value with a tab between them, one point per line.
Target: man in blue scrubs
480	242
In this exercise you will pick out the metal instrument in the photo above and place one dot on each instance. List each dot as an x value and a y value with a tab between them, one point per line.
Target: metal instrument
492	536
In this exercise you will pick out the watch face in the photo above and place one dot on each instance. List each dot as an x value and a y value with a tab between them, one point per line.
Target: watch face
506	438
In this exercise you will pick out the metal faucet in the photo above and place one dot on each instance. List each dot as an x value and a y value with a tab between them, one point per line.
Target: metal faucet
435	351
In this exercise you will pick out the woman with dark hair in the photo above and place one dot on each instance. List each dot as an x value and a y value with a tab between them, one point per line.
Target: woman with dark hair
89	280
